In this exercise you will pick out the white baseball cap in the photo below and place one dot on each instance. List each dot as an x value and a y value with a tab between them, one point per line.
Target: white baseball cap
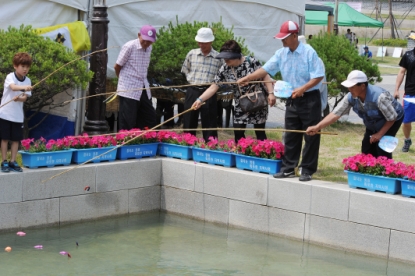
204	35
354	78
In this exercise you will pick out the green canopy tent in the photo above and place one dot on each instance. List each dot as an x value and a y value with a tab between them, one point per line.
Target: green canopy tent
347	16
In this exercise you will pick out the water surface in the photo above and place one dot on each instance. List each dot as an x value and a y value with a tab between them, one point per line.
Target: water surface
165	244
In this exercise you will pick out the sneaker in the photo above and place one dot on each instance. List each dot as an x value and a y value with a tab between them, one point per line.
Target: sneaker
284	174
305	177
408	143
15	167
5	167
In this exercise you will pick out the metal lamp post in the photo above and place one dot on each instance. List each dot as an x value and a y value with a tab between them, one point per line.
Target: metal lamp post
95	122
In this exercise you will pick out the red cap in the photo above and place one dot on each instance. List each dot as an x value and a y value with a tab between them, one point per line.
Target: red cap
289	27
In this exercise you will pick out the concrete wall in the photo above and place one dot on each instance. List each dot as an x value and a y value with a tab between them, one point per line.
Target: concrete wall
318	212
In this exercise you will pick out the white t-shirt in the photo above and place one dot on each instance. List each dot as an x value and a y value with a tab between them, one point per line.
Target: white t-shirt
13	111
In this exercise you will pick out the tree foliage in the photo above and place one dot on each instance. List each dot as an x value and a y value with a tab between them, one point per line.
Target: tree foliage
47	57
175	41
340	58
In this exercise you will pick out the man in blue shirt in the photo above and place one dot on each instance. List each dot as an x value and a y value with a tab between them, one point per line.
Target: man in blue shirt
367	53
300	66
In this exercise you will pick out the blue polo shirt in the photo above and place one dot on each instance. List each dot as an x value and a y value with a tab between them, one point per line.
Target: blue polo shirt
297	67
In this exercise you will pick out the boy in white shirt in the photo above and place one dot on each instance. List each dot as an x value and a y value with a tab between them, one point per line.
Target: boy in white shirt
17	87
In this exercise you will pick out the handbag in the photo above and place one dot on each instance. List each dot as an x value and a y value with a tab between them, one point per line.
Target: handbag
254	99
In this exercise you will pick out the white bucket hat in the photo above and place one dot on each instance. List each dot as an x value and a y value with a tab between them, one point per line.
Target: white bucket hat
204	35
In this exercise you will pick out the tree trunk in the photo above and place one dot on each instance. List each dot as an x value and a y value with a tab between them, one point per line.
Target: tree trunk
391	20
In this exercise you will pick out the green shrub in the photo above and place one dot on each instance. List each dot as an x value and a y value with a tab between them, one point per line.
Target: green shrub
47	56
397	42
340	58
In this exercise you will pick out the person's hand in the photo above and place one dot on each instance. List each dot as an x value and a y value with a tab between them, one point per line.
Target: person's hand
16	98
374	138
396	94
298	92
197	104
28	88
312	130
243	81
271	99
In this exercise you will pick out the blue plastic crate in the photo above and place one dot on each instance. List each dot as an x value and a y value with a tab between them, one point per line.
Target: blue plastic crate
408	188
373	183
82	155
46	159
213	157
256	164
137	151
175	151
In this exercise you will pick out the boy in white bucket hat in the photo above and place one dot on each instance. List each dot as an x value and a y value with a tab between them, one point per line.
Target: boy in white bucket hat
381	113
200	67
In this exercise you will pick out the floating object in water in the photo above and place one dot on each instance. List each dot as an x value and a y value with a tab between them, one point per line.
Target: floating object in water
87	188
77	244
8	249
38	246
21	234
63	253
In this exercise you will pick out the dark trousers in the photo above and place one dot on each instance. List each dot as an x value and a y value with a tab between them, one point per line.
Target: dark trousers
137	114
260	134
301	113
165	109
208	113
374	148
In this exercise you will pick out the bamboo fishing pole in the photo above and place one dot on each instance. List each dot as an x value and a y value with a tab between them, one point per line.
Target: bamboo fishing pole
116	147
221	129
54	72
154	88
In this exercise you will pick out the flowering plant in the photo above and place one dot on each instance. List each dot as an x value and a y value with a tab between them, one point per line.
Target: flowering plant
87	142
41	145
410	172
381	166
142	137
268	149
214	144
184	139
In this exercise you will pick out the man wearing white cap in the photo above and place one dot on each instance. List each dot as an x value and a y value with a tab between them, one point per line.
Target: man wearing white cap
381	113
200	67
300	66
136	108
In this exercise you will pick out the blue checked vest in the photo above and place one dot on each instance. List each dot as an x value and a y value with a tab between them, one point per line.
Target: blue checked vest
370	113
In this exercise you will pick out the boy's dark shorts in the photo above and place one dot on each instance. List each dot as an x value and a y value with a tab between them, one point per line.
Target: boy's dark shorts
11	131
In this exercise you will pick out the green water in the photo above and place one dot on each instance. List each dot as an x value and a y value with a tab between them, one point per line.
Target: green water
164	244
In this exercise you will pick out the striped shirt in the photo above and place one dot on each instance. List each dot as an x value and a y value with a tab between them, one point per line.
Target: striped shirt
199	68
297	67
134	61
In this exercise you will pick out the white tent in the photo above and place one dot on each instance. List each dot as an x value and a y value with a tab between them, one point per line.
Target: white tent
257	21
